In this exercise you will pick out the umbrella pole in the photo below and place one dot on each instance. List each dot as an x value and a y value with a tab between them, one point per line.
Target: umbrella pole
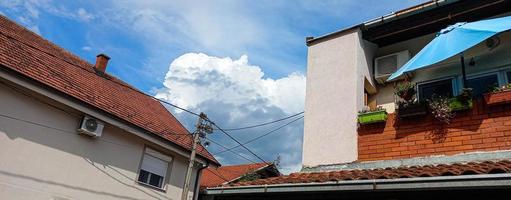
463	71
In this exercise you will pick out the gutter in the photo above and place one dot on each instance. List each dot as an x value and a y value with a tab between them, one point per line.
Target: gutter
400	184
407	12
385	18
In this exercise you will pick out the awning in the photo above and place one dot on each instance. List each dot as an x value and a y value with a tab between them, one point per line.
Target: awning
454	40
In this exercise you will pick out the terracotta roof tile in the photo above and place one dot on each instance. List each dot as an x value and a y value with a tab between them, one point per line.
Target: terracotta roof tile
212	177
457	169
38	59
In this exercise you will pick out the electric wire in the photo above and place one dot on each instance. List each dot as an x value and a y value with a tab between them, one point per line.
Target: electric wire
263	124
237	141
218	143
62	130
73	64
261	136
71	132
61	109
138	91
218	175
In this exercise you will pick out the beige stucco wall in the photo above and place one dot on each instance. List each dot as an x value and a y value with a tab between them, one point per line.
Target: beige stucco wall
43	163
336	71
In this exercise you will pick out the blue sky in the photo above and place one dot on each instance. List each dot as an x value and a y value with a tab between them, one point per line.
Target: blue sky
241	62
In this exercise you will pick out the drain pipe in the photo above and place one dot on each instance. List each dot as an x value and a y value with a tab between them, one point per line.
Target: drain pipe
196	187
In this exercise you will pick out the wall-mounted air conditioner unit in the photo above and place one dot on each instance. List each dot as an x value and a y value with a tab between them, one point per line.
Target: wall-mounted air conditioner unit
388	64
91	126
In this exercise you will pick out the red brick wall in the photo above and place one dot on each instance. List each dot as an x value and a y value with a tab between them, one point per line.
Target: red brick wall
481	129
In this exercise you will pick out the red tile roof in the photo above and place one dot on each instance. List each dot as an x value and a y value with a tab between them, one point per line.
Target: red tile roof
212	177
487	167
31	56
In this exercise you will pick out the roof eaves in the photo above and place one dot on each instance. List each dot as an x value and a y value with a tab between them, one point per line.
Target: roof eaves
133	127
314	40
383	19
429	5
418	183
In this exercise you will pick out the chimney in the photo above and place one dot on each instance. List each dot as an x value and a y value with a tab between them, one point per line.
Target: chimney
101	62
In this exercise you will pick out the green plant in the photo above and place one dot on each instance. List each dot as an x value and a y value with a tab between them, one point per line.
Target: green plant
406	104
368	110
496	89
368	116
440	109
466	95
406	91
249	177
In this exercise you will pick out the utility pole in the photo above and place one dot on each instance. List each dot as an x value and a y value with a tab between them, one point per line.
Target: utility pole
203	127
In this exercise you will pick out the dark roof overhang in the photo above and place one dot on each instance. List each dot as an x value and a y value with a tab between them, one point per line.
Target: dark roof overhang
424	20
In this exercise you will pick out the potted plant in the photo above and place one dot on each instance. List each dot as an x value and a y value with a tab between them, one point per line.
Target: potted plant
369	116
405	91
408	106
462	101
411	109
441	109
498	95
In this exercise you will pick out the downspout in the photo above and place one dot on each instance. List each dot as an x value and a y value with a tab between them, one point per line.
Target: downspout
196	186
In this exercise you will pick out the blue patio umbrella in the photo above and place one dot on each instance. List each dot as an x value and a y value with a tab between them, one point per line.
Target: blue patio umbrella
454	40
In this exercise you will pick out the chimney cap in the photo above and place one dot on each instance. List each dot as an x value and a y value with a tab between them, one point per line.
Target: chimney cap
103	55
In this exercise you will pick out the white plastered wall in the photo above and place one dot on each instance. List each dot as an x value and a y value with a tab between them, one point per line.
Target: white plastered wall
43	163
336	71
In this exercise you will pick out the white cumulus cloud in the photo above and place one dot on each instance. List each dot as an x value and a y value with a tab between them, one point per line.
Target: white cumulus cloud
194	78
235	93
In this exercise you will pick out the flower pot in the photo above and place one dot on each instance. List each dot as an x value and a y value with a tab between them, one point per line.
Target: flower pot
497	98
407	96
372	117
411	111
456	104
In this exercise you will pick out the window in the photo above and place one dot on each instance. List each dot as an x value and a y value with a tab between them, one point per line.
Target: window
483	84
438	88
508	74
153	169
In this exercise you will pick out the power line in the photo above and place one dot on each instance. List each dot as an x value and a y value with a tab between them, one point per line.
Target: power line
217	143
263	124
228	135
70	132
61	109
73	64
261	136
61	130
37	99
138	91
218	175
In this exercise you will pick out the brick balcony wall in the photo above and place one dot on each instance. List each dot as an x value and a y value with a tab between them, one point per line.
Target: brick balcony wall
483	128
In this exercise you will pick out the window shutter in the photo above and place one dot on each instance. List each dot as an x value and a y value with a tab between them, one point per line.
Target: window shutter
154	165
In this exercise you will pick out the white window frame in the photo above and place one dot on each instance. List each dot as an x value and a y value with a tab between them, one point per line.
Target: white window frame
454	84
158	155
